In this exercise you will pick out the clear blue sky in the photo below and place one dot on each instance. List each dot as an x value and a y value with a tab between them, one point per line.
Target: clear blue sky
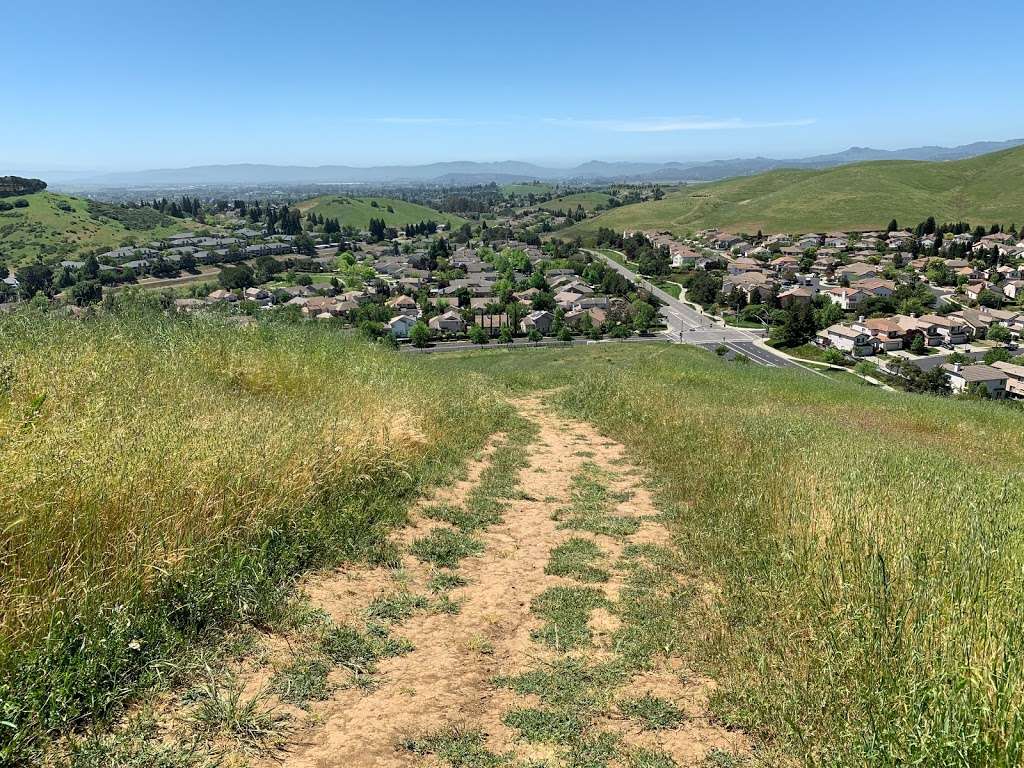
115	85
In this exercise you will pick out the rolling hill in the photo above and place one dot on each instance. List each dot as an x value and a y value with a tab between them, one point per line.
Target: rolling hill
55	227
507	172
982	190
589	201
357	211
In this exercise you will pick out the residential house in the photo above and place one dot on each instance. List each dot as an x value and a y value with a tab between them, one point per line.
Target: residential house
964	377
222	295
858	270
492	323
785	265
402	303
846	339
974	289
743	264
887	335
723	241
951	329
574	319
1014	377
799	294
448	322
846	298
539	321
875	286
757	286
401	325
567	299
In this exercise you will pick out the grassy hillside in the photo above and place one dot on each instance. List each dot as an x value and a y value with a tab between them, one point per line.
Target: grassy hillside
538	188
357	211
589	201
58	227
860	551
982	190
164	478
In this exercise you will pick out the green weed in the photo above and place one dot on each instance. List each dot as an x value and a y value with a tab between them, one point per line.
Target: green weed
651	712
445	547
575	559
567	611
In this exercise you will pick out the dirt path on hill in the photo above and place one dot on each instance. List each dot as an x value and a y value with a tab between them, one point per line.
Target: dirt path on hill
441	703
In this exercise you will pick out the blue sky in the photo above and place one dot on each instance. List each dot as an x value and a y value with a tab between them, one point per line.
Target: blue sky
114	85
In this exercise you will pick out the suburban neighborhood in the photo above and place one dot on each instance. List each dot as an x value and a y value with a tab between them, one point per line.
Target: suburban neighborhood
937	306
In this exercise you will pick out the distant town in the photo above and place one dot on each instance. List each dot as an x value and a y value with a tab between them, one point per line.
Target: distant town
932	307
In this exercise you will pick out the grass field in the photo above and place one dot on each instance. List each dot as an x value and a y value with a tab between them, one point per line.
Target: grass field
982	190
589	201
850	567
537	188
165	478
357	211
46	229
861	550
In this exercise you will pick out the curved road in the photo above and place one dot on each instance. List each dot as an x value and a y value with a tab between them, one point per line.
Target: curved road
688	326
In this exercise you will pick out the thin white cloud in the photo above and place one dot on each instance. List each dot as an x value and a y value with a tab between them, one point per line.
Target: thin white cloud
672	124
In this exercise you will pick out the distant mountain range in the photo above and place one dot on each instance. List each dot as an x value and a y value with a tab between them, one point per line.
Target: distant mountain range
456	173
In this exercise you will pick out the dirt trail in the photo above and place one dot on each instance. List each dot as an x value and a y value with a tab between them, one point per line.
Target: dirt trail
448	679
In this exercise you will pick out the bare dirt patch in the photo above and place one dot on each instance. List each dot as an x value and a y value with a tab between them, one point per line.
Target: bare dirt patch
460	629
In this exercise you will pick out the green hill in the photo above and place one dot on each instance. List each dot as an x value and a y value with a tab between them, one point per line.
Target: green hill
589	201
982	190
533	188
56	227
357	211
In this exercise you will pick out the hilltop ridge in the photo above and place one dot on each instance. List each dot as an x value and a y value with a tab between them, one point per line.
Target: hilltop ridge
859	196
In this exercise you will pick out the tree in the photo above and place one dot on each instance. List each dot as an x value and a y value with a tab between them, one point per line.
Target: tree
655	261
239	276
304	244
998	333
33	279
565	334
997	355
477	335
798	327
86	292
534	335
91	268
267	267
419	334
918	345
990	299
642	315
834	356
703	287
505	335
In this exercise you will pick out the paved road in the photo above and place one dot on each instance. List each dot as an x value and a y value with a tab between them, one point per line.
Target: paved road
688	326
519	343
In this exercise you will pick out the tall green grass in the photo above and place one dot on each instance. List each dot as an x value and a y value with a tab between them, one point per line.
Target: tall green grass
161	478
862	550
